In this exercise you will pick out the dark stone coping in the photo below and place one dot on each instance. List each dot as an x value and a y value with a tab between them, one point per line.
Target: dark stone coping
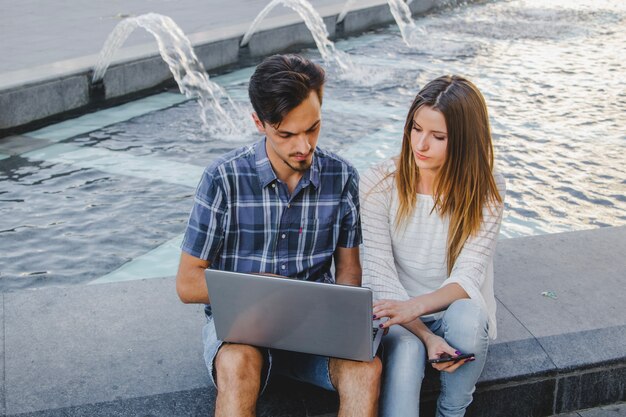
131	348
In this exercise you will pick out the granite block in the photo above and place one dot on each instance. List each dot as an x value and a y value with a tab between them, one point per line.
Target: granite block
218	54
514	361
591	388
363	19
422	6
283	398
615	410
129	77
28	103
274	40
586	349
82	345
534	397
589	283
190	403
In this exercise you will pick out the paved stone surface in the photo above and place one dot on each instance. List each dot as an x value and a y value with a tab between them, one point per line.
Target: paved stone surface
589	283
132	347
35	33
87	344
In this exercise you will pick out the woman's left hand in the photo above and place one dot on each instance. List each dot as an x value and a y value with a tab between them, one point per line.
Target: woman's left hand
398	312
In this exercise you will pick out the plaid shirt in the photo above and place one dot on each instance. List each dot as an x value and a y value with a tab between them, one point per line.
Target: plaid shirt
244	219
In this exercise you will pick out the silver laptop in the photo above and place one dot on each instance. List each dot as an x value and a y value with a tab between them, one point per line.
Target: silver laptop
300	316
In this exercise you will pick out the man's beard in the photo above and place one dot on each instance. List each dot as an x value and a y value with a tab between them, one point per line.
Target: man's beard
300	167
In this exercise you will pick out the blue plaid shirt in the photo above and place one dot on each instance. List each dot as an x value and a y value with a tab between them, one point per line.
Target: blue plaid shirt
245	220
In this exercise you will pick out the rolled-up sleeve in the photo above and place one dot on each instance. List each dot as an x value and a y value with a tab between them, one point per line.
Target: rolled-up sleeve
379	268
205	229
350	232
470	268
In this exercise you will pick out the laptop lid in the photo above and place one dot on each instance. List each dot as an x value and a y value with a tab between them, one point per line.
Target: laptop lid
301	316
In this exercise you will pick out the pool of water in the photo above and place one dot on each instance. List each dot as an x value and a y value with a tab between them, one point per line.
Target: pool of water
105	197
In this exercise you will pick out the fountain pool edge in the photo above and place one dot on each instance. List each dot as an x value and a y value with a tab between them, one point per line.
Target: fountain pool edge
36	97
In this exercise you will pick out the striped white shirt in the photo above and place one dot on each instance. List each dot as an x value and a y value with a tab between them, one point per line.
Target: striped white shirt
399	263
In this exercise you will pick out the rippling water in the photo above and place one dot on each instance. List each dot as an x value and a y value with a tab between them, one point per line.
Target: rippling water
552	75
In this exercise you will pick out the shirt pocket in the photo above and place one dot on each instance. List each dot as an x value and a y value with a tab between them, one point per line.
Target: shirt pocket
317	236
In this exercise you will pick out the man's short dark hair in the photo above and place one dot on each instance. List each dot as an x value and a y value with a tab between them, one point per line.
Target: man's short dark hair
281	83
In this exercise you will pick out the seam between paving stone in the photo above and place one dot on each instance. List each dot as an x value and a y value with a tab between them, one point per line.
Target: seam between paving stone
529	332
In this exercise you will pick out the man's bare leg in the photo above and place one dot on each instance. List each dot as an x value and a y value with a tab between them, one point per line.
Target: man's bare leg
238	372
358	385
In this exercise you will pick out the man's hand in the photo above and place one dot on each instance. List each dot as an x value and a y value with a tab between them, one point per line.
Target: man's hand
398	312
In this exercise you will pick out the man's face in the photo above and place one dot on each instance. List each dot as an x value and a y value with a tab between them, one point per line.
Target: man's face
290	146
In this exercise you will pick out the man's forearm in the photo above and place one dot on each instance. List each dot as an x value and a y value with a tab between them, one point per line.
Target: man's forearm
349	276
190	282
348	266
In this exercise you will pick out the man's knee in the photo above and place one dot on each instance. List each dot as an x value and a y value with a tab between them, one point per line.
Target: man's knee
359	375
236	364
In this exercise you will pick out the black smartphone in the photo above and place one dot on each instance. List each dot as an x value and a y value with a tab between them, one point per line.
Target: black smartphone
449	358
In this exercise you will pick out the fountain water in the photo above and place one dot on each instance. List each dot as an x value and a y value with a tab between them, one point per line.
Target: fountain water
220	115
315	24
401	14
346	8
403	17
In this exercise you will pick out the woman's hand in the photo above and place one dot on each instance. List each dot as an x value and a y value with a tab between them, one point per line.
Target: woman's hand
438	347
398	312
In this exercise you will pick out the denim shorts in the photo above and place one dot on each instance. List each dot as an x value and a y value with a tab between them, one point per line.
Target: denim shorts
303	367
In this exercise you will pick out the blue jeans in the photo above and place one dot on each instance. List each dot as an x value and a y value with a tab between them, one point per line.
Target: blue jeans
464	326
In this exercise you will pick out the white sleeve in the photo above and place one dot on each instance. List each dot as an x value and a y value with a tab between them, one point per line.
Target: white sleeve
471	266
379	269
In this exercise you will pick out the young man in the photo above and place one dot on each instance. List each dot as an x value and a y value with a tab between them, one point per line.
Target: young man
281	206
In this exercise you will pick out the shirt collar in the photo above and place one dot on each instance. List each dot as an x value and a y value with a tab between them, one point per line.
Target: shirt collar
267	175
263	167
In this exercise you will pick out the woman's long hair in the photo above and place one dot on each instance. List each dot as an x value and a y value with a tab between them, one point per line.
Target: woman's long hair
465	182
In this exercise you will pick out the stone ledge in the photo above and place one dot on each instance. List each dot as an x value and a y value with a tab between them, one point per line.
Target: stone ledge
132	348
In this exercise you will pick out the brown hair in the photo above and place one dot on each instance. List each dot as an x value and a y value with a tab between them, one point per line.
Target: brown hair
281	83
465	182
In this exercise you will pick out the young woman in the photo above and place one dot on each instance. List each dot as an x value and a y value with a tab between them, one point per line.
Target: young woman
431	218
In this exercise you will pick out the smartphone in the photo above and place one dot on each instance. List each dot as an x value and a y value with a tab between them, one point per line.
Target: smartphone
449	358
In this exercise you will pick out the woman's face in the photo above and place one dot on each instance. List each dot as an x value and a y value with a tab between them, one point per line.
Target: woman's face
429	138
